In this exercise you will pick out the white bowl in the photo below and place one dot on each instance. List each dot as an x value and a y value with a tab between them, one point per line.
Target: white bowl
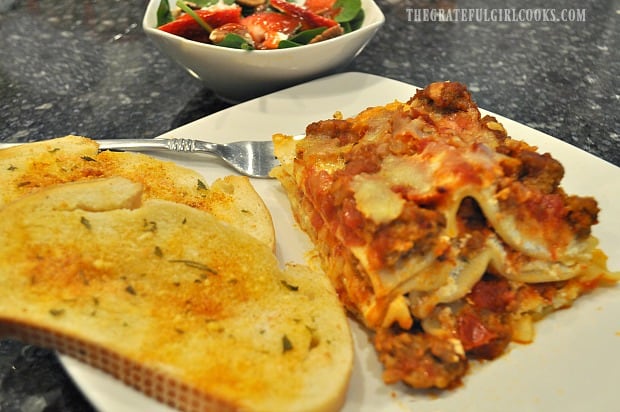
237	75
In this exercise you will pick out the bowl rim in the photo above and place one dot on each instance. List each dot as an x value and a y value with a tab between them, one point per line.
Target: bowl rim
151	10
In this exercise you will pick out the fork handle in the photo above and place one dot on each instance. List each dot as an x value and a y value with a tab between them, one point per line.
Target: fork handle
175	145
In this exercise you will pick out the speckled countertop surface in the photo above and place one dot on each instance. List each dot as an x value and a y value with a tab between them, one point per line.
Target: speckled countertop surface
86	68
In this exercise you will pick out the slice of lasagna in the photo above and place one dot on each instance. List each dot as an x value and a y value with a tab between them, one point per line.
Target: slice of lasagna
443	235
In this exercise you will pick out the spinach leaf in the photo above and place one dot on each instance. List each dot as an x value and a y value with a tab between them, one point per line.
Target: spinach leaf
354	24
163	13
234	41
285	44
305	36
349	9
301	38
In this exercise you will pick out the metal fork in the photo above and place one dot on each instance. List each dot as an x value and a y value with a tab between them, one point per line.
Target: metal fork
254	159
251	158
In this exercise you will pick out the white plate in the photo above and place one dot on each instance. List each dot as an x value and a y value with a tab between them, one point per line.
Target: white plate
573	364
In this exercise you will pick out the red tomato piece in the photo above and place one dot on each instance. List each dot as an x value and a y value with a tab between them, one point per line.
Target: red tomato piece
318	6
472	332
185	26
311	19
323	7
265	26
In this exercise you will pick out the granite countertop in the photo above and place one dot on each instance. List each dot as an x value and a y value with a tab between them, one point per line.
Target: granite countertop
86	68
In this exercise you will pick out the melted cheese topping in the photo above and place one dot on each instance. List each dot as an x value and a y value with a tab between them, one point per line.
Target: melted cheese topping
375	199
411	172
